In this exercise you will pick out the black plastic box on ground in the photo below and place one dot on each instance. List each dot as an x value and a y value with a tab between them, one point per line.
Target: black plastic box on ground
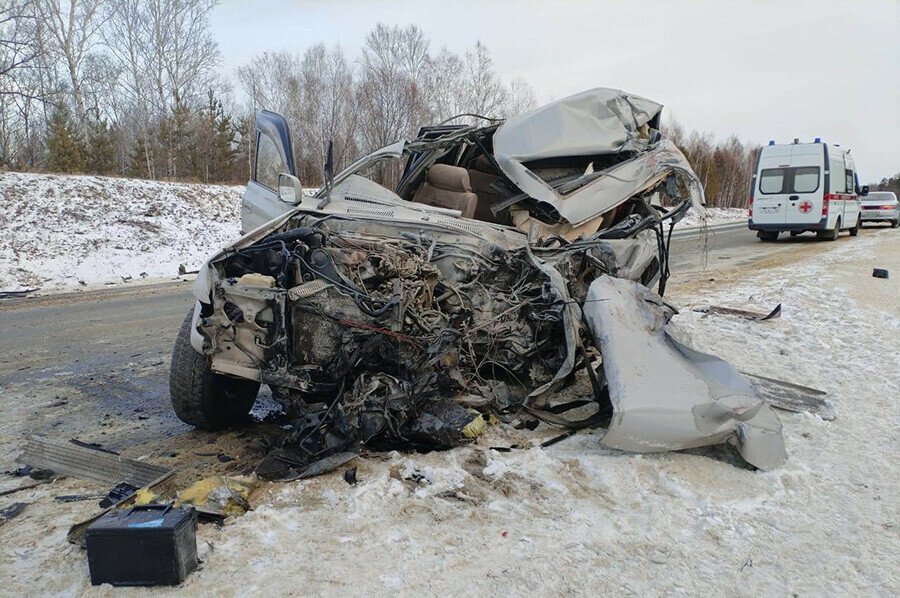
143	546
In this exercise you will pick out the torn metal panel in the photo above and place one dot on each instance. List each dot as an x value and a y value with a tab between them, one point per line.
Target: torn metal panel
75	461
665	395
741	313
793	397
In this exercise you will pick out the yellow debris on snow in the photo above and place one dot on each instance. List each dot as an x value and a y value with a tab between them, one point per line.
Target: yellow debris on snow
226	495
144	496
474	428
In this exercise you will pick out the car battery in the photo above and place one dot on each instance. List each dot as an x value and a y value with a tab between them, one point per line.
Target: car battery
143	546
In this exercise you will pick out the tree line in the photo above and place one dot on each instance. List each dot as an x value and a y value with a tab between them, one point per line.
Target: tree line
135	88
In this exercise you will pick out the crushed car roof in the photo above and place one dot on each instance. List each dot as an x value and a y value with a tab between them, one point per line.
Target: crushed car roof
598	122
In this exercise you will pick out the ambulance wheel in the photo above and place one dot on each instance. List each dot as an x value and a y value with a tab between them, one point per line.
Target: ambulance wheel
895	223
855	230
767	236
831	235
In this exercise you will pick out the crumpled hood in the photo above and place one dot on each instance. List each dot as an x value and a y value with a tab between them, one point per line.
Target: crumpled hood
600	121
597	121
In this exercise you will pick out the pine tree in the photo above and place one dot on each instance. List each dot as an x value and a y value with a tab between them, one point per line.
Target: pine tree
101	153
175	137
64	147
213	143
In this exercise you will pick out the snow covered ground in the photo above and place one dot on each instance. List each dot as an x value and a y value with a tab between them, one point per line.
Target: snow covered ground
579	519
68	231
714	216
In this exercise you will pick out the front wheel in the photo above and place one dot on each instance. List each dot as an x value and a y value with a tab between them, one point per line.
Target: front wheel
200	397
855	230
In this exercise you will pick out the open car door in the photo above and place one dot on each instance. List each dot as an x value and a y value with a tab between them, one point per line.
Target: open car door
274	155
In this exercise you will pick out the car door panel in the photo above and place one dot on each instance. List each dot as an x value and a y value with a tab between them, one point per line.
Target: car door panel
274	155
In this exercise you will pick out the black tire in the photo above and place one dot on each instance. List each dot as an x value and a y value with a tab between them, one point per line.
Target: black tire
895	223
767	236
200	397
855	230
833	234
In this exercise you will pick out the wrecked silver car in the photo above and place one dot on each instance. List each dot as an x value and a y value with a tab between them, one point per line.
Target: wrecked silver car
508	273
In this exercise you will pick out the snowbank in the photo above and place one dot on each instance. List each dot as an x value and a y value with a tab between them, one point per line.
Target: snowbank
714	216
66	231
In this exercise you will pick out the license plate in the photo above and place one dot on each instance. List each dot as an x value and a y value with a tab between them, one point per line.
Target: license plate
768	210
871	213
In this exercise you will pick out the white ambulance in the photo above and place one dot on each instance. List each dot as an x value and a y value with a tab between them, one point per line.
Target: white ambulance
800	187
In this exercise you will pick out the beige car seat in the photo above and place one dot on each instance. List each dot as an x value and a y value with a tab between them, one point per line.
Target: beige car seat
482	177
448	186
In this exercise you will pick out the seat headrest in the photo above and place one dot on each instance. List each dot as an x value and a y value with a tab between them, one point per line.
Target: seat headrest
451	178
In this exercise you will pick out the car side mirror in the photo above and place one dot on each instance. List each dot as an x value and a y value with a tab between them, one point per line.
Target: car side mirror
864	191
289	189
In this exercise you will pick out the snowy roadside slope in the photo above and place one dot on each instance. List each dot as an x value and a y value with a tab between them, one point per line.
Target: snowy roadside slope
62	231
714	216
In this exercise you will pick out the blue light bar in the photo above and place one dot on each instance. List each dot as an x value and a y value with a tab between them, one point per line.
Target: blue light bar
818	140
771	142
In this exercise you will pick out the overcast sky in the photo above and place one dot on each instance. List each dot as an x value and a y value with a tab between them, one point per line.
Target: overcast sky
762	69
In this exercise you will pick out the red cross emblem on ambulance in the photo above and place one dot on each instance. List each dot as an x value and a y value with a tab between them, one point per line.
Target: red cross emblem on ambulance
806	207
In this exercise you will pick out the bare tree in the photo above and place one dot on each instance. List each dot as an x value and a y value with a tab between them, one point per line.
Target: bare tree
18	44
446	93
72	29
269	80
167	60
484	93
327	111
724	168
390	94
517	98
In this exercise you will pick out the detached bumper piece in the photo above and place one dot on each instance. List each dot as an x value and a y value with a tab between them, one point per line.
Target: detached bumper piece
665	395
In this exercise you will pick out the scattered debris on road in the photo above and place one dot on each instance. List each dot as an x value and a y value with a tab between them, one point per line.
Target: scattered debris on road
741	313
182	271
77	460
219	496
789	396
350	476
78	497
17	293
880	273
11	511
143	546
